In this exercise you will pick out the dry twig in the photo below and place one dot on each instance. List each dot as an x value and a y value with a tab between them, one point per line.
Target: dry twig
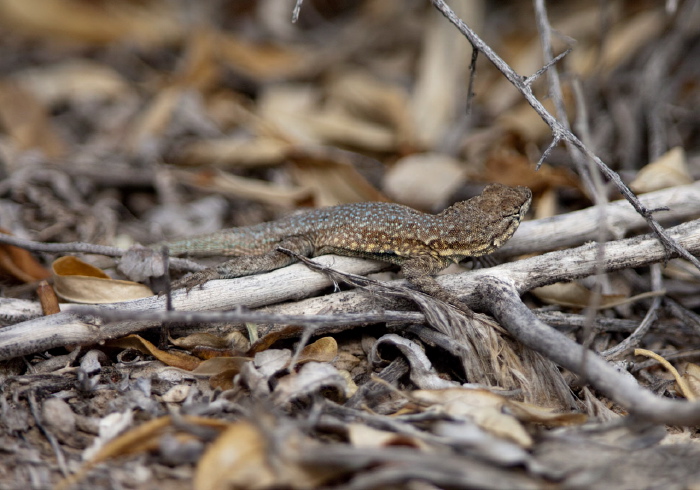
560	133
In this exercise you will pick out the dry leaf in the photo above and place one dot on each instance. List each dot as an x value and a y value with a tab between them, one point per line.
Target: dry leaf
502	425
323	350
205	339
143	438
221	370
73	80
680	269
231	110
622	41
332	177
486	409
525	122
365	96
237	459
287	107
26	120
669	170
241	459
507	165
313	378
547	204
692	378
145	23
218	365
265	342
481	406
154	119
245	188
425	180
575	295
20	264
364	436
173	358
77	281
176	394
441	75
223	380
528	412
199	69
296	111
272	361
350	385
335	127
232	153
260	61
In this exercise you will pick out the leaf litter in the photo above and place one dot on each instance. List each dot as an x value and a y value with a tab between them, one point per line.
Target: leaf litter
118	118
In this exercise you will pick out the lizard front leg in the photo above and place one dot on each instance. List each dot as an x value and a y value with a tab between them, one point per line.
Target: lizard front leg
419	271
246	265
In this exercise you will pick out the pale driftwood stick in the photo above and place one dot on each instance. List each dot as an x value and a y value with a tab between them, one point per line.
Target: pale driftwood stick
566	265
296	281
577	227
13	310
290	283
275	315
505	304
560	133
242	315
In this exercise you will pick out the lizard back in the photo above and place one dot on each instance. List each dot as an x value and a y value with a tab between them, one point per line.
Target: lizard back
384	231
347	226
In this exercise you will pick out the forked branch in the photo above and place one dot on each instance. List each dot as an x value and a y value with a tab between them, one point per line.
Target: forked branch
561	133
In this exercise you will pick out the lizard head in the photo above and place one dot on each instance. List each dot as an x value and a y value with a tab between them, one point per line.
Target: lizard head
485	222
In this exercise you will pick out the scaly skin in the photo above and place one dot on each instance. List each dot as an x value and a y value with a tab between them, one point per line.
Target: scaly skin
422	244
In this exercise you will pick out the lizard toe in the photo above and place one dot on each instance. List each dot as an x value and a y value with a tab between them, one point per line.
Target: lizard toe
190	281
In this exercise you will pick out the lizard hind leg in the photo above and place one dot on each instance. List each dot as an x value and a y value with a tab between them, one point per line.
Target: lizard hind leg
419	271
246	265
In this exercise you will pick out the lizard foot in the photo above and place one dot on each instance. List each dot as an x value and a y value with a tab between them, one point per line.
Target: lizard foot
190	281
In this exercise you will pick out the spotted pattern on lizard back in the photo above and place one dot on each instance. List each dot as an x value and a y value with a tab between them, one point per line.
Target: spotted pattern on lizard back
422	244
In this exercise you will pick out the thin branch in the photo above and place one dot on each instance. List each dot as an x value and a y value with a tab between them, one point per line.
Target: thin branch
557	128
61	248
532	78
516	317
296	11
649	319
472	78
555	141
86	248
244	316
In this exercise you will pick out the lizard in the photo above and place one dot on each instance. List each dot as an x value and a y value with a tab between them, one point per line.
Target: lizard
421	244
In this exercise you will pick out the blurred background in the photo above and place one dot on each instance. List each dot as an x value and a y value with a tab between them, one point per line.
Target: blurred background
126	120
